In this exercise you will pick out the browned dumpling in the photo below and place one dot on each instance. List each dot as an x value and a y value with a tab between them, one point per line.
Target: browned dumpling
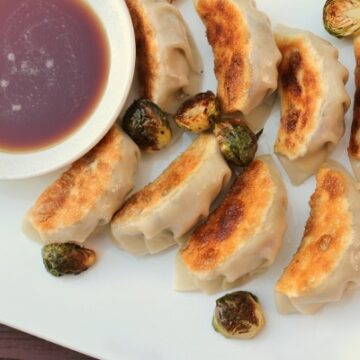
168	63
157	216
245	53
313	101
328	259
86	195
354	145
241	237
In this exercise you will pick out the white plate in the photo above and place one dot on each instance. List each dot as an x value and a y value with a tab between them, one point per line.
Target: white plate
117	24
125	307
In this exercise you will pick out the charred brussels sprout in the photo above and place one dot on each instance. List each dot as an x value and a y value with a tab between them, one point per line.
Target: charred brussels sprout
198	113
67	258
238	315
342	17
237	142
147	125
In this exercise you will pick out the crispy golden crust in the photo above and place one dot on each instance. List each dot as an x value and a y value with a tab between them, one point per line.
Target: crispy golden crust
325	238
227	34
300	86
235	221
66	200
169	181
146	48
354	144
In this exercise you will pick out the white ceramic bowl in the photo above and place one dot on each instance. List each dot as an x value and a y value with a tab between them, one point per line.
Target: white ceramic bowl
116	21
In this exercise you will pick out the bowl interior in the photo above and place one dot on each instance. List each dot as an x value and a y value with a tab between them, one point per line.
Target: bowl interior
116	21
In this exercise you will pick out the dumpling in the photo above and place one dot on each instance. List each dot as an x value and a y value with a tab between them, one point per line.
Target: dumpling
313	101
86	195
328	259
241	237
245	53
168	62
158	215
354	144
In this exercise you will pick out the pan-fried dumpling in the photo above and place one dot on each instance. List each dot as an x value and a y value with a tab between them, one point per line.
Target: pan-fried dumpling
158	215
241	237
313	101
86	195
245	53
354	144
328	259
168	62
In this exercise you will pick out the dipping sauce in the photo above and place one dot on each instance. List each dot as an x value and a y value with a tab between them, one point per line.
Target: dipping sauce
54	66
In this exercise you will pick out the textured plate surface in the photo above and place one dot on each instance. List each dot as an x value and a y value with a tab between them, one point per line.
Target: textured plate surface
125	307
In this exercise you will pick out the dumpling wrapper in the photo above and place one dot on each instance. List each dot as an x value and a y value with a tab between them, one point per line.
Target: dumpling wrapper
328	259
313	101
245	53
86	195
241	237
354	144
154	218
168	64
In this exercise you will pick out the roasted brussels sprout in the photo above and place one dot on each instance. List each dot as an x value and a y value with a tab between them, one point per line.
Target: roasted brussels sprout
198	113
237	142
67	258
147	125
238	315
342	17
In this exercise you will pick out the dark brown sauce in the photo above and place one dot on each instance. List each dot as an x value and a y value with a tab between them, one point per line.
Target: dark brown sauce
54	65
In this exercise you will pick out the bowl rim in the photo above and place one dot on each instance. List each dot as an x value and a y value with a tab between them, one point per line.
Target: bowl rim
121	40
